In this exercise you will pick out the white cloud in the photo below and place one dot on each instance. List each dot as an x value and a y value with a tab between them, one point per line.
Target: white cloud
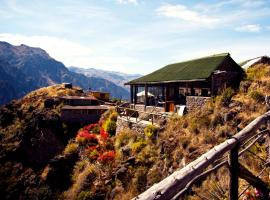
135	2
255	28
59	48
182	12
74	54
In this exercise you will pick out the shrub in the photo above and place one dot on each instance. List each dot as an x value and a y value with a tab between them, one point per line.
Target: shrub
256	96
226	96
84	137
110	127
71	148
85	195
140	179
92	153
103	134
150	131
123	138
113	116
185	141
107	157
94	128
138	146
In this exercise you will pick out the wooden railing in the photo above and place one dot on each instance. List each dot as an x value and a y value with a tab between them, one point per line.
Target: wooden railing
178	184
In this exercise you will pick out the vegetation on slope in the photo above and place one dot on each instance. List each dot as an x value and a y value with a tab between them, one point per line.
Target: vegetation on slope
30	136
96	164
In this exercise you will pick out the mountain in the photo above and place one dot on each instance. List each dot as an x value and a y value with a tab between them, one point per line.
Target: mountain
118	78
24	69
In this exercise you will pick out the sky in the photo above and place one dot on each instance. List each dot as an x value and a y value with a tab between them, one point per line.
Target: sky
137	36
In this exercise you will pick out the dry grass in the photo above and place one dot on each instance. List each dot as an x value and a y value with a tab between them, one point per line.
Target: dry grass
186	138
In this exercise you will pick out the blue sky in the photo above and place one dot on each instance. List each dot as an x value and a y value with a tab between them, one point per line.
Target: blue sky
137	36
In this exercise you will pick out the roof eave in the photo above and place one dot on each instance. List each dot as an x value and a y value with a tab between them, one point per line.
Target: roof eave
171	81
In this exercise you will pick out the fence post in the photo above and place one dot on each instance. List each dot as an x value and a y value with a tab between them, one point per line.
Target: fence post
233	171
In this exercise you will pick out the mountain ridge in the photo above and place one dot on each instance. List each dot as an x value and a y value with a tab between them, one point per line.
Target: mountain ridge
119	78
24	69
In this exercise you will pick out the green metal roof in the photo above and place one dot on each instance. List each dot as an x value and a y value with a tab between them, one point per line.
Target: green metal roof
197	69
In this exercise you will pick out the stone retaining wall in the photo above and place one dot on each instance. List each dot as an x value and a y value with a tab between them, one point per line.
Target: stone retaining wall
124	124
140	107
195	102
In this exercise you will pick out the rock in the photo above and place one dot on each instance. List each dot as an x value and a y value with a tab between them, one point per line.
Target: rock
120	173
235	104
131	160
126	150
229	116
57	173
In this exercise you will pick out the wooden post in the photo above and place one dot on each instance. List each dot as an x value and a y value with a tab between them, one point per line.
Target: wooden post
145	97
233	171
131	94
135	95
163	92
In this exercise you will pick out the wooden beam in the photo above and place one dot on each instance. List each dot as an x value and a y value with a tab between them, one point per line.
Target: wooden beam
233	172
256	182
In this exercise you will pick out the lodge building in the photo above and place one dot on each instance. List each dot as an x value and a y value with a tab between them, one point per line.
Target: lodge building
186	82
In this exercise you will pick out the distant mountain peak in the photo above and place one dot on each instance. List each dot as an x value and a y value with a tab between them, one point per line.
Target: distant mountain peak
119	78
24	68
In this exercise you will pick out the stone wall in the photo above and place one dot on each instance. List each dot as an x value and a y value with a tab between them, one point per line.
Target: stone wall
124	124
140	107
194	102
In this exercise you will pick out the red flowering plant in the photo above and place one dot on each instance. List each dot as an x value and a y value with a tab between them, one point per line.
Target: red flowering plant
84	137
107	157
103	134
96	143
92	153
92	128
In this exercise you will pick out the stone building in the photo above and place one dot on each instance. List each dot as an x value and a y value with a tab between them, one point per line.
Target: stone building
81	109
188	83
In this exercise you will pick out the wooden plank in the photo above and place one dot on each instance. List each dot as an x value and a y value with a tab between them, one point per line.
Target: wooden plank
174	183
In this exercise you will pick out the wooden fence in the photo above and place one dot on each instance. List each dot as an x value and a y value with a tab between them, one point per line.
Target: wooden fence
177	184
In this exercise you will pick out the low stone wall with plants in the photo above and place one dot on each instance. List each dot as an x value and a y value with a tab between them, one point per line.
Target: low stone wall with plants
141	107
194	102
123	124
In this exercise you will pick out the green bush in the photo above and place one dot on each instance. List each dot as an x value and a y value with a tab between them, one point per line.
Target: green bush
150	131
110	127
257	96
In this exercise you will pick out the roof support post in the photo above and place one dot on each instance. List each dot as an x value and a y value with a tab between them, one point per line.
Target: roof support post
131	94
135	95
233	171
145	97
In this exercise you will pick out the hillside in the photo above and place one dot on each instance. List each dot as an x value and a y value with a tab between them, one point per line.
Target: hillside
118	78
24	69
92	163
